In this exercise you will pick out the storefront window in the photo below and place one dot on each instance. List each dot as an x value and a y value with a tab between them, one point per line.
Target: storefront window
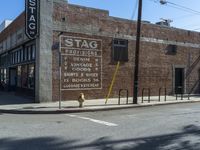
5	76
3	80
15	57
3	60
18	56
29	53
19	79
33	52
31	76
12	56
25	54
1	75
24	76
22	55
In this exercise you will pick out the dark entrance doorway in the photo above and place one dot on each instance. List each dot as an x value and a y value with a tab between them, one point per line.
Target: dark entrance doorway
12	79
179	80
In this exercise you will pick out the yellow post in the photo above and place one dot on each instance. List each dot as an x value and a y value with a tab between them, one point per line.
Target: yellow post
112	83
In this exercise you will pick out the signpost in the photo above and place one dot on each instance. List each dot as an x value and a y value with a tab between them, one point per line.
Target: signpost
31	23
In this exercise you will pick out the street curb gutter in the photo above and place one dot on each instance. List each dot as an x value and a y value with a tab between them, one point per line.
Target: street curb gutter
78	110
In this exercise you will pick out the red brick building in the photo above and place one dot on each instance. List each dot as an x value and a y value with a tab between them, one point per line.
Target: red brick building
89	40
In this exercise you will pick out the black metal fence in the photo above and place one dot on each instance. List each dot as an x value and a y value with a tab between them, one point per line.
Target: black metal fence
162	91
127	93
181	94
149	94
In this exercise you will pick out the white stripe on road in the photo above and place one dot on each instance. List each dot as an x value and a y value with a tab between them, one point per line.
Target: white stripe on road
95	120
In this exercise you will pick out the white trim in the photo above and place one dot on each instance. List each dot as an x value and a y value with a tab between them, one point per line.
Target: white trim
161	41
129	37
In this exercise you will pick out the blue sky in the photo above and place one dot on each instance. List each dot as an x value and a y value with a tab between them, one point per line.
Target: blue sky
10	9
152	10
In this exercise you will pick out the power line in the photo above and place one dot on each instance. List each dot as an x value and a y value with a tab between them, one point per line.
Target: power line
177	6
186	8
197	29
191	25
183	9
133	14
191	12
134	10
184	16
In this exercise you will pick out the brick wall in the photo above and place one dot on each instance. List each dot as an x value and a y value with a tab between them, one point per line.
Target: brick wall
18	23
156	66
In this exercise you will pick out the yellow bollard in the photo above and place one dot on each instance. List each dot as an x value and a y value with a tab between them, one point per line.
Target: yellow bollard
112	83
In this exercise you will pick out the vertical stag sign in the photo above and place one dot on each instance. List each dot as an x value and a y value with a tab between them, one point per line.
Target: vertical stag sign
31	23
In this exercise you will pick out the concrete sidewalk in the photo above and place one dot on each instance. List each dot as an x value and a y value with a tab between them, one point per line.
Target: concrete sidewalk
90	105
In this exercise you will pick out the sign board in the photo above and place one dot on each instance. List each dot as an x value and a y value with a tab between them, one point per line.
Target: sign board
81	63
31	23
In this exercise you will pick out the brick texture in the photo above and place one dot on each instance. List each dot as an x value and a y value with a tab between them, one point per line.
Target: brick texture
18	23
155	65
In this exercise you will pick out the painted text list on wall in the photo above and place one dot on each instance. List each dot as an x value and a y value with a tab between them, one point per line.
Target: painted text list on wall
32	8
81	64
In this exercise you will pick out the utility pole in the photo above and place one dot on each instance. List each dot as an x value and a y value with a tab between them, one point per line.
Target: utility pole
60	72
136	67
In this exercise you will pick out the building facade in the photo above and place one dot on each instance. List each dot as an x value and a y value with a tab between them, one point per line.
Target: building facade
4	24
77	50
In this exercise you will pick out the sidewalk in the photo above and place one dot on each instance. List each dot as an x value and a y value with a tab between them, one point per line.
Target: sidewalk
89	105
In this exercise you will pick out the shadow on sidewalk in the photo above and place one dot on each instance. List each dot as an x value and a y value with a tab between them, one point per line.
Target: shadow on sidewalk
187	139
9	98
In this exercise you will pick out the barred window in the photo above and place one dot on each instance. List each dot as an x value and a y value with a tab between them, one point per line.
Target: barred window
120	50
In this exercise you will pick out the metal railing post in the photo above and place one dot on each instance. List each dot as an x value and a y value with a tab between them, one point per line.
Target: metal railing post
165	94
159	94
143	95
149	91
119	97
182	93
181	96
127	96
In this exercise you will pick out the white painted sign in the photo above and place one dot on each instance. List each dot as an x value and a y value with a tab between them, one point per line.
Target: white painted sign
81	63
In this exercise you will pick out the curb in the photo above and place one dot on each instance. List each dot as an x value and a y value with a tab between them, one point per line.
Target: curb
79	110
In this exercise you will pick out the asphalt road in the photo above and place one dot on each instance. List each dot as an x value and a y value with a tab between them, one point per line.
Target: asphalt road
170	127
